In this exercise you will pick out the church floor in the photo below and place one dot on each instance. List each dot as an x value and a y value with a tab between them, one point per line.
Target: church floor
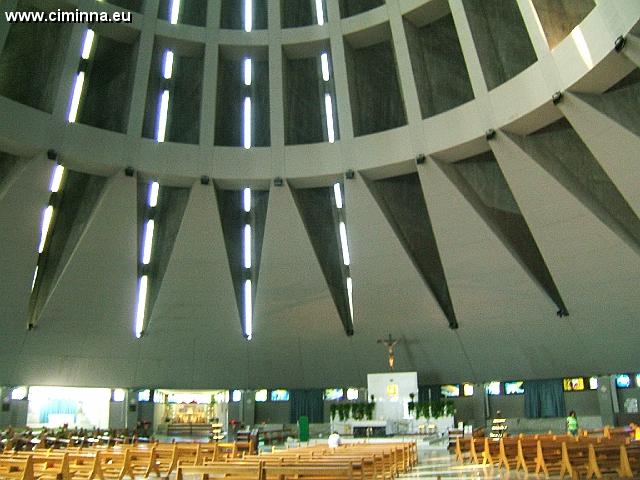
435	464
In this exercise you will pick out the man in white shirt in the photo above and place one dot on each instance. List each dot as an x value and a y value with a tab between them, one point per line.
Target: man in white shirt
334	440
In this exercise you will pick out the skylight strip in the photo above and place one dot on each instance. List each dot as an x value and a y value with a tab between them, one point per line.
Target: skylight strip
248	312
350	295
345	248
46	223
148	242
337	193
247	246
248	73
75	98
56	179
319	12
162	117
167	68
142	305
328	105
247	123
175	12
246	199
324	61
87	44
154	188
248	15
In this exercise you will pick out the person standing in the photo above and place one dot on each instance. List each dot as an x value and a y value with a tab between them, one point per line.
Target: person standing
572	423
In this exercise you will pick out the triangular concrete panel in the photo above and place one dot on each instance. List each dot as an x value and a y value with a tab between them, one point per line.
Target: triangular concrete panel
91	310
317	209
481	182
403	204
234	218
167	216
622	105
612	144
21	207
73	205
296	323
559	150
493	293
195	327
391	297
596	272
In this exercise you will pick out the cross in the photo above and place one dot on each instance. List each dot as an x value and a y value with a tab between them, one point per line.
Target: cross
389	343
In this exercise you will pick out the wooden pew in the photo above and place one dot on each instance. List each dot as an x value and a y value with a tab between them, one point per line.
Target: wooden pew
307	472
115	464
16	468
221	470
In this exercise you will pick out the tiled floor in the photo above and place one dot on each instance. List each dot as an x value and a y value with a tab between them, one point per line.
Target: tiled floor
435	464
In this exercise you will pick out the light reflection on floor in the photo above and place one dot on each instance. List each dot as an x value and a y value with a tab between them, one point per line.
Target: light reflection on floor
439	464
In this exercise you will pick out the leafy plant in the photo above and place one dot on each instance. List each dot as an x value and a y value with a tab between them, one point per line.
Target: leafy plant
357	411
343	411
368	410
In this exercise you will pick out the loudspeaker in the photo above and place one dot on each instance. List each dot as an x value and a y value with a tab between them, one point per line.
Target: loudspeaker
129	171
556	98
52	154
420	159
350	174
204	180
619	44
278	182
490	134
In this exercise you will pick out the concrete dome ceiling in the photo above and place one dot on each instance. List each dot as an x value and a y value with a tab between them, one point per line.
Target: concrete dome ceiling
492	226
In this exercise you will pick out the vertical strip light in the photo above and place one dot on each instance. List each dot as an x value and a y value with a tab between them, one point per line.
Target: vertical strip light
328	106
78	84
175	12
248	15
247	123
55	185
346	257
147	249
248	310
246	128
319	12
163	110
248	307
328	101
142	305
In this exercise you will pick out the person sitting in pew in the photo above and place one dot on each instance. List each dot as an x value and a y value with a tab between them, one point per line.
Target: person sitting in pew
334	440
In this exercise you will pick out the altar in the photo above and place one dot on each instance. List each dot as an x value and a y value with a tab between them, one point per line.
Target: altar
392	393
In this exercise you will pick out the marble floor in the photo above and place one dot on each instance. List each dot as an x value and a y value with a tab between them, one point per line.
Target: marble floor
434	464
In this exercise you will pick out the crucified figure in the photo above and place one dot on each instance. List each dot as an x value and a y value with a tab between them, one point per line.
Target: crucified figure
389	343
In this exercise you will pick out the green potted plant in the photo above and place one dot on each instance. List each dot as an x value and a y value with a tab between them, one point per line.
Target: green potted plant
369	408
357	411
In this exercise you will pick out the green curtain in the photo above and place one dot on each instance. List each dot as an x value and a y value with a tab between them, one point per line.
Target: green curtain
306	402
544	398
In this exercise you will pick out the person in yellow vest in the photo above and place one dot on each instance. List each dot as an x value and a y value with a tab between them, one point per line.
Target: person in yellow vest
572	423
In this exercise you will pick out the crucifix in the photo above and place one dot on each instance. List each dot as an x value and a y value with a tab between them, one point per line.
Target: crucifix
389	343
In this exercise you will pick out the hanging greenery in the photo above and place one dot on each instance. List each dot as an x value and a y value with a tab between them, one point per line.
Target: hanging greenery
433	409
357	411
369	408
